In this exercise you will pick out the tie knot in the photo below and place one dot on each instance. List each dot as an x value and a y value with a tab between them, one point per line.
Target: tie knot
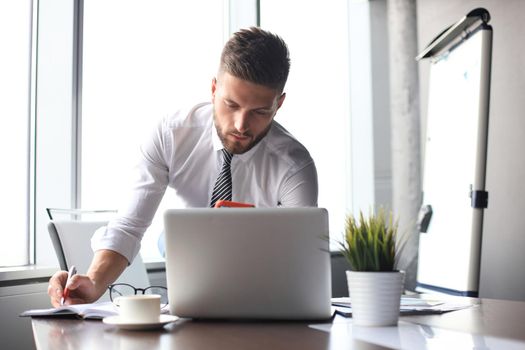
227	156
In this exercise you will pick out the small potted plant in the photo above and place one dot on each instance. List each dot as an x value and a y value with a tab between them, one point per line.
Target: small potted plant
374	284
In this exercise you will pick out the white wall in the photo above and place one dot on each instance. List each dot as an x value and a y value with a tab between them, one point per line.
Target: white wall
15	331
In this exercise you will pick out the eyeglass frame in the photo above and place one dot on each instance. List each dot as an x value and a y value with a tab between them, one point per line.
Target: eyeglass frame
143	290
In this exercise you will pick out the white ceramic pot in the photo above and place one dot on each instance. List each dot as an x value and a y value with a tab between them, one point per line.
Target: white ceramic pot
375	297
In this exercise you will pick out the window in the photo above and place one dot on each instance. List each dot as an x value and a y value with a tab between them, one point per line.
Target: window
141	60
316	109
15	85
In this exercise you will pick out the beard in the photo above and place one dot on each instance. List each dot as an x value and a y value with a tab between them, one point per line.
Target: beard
238	147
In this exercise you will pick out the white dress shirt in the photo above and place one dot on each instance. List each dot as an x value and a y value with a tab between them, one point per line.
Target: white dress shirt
184	153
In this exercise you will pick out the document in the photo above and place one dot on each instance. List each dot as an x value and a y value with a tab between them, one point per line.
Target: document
96	311
409	306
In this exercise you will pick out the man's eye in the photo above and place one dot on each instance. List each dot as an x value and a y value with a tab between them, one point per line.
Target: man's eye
262	113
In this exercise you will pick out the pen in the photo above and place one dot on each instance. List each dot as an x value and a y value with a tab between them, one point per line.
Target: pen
72	271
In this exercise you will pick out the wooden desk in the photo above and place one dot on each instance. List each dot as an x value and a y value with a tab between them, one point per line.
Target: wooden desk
491	324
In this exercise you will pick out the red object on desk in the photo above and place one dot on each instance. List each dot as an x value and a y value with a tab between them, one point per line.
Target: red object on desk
230	204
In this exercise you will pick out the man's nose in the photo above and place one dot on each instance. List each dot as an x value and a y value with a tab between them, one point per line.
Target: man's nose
241	121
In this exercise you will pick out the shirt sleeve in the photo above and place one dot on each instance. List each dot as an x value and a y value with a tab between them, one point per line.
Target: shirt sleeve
124	233
300	189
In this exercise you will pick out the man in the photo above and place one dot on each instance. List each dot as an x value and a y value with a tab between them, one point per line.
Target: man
268	166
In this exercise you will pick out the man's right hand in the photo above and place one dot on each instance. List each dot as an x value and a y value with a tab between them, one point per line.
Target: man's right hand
81	289
105	267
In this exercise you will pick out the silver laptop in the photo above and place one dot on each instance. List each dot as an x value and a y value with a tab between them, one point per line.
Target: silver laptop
248	263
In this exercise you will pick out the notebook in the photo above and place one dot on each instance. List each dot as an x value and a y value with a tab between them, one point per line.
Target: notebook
86	311
248	263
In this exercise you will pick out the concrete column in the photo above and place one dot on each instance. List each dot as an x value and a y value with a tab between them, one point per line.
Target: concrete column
405	121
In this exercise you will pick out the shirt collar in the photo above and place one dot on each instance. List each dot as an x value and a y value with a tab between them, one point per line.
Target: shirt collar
217	143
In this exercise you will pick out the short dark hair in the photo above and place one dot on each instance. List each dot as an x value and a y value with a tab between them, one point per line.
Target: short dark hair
257	56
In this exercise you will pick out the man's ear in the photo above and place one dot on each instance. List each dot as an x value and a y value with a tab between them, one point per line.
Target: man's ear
213	87
281	100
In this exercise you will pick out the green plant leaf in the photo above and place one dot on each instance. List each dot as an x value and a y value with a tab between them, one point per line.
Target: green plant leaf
370	243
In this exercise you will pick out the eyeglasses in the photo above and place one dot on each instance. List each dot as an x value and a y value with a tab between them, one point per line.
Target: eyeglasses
123	289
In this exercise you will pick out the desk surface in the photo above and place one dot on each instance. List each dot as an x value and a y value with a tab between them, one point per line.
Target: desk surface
490	324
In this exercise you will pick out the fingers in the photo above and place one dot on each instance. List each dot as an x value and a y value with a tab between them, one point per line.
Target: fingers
81	289
55	294
56	287
73	282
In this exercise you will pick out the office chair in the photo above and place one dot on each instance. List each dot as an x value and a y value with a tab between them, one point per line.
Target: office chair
72	242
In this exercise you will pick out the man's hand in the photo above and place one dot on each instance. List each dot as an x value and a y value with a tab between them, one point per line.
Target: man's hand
81	289
105	268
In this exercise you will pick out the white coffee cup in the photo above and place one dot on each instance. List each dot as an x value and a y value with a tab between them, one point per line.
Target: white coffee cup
139	308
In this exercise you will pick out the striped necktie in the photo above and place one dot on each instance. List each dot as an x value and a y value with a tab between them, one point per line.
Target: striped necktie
223	184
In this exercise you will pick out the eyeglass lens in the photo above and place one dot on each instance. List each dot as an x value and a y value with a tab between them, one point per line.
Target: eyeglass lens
121	289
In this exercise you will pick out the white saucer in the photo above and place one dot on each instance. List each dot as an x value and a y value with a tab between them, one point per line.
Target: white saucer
123	324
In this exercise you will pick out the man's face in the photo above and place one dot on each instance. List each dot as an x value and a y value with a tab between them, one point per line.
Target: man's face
243	111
